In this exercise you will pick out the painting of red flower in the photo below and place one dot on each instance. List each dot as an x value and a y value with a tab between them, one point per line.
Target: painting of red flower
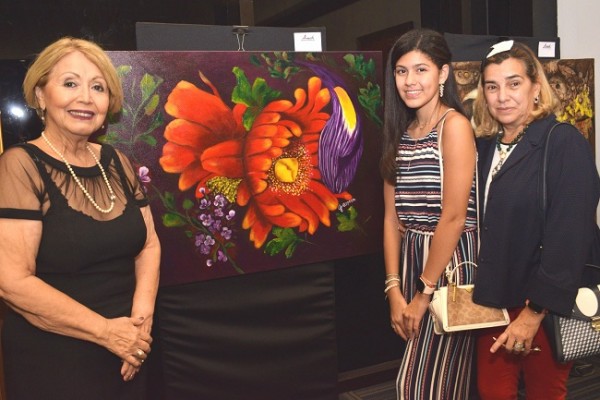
252	161
274	162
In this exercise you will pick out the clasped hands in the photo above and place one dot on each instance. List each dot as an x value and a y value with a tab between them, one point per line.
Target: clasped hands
129	339
406	323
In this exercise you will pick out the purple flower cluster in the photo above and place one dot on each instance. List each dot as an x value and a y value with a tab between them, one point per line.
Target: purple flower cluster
144	176
216	215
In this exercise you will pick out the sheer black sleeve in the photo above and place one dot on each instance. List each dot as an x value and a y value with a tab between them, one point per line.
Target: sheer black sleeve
137	188
21	187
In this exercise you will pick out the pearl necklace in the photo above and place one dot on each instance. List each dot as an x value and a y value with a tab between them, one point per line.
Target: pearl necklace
111	196
503	152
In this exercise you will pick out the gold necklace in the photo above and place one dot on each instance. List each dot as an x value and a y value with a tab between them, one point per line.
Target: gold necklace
420	127
111	196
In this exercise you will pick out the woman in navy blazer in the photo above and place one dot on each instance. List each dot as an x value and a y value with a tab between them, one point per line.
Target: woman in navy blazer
513	113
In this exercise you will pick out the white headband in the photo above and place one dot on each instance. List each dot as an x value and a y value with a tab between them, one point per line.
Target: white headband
500	48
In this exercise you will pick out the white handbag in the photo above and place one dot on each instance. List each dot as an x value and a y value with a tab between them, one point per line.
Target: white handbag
452	308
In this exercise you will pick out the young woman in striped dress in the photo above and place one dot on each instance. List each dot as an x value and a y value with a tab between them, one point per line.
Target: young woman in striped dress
430	211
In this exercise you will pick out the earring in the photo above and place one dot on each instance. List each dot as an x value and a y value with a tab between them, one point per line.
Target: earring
536	99
42	114
441	90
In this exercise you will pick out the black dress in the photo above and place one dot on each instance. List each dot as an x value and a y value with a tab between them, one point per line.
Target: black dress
86	255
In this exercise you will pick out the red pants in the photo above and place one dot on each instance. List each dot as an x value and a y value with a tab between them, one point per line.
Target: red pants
498	374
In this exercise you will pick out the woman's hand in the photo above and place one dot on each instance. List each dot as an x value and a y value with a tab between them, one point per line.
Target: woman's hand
128	371
125	339
413	314
519	334
402	229
397	306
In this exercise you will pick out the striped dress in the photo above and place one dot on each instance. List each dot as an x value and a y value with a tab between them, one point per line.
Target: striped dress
433	366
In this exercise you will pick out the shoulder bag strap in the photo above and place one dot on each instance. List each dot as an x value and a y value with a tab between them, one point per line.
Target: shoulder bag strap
449	269
543	181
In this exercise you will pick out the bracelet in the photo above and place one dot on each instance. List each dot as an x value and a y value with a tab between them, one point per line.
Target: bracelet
427	282
388	287
392	280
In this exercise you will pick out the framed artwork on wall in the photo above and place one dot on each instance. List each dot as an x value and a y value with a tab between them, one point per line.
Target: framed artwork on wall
571	79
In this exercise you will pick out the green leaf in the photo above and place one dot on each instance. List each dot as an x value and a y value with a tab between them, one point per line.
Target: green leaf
152	104
110	137
171	220
254	96
169	200
248	118
350	60
187	204
358	66
347	220
289	252
242	92
370	99
123	70
157	121
148	85
255	60
285	241
149	139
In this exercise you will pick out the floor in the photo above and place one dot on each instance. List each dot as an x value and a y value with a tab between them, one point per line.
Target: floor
583	387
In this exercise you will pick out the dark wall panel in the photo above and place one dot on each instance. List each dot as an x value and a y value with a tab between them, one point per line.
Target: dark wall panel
263	336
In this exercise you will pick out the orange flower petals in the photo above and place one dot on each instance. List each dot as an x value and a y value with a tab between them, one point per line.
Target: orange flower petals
277	159
187	133
188	102
300	207
326	197
175	158
318	207
192	174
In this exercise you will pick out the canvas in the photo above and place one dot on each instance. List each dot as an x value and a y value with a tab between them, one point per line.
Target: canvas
571	79
254	161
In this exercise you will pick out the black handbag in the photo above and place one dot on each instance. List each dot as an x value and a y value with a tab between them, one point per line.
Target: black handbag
576	336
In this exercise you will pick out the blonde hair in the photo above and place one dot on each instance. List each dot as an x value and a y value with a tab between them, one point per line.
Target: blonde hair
38	72
485	123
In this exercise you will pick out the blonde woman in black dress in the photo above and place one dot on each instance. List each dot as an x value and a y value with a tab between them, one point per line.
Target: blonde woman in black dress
79	257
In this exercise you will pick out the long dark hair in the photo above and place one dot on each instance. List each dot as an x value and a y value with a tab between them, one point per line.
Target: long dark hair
397	116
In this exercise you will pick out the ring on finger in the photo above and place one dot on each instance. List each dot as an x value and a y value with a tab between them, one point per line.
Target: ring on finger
140	352
519	346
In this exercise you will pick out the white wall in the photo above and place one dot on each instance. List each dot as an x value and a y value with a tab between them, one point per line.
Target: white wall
578	30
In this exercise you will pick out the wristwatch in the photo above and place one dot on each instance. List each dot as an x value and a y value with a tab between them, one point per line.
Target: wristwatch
424	289
536	308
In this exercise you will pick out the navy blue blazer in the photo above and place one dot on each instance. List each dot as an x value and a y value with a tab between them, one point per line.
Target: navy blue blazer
517	260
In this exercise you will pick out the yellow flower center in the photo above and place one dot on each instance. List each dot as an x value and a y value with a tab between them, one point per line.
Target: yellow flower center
286	169
291	172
